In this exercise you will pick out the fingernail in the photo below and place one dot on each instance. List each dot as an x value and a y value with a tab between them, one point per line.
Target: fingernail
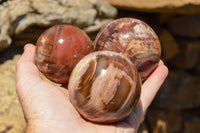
25	47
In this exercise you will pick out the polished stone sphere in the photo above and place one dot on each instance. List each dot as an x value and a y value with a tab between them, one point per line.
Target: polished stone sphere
135	40
59	49
104	87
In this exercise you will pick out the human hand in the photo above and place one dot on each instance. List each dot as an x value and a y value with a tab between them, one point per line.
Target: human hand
47	108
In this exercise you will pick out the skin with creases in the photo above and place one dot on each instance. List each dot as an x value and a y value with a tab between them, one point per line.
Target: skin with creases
135	40
59	49
104	87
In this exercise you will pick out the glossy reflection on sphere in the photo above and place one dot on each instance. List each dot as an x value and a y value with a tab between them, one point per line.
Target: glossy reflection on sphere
104	87
133	39
59	49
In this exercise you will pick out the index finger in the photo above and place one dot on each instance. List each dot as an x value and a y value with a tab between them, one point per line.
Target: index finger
151	86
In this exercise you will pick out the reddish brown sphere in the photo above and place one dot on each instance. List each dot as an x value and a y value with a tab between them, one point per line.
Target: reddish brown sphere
104	87
59	49
133	39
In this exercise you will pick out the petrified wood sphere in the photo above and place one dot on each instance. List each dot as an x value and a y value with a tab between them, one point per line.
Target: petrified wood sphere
104	87
133	39
59	49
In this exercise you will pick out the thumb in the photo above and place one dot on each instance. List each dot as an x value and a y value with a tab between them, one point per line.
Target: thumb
39	99
26	69
27	75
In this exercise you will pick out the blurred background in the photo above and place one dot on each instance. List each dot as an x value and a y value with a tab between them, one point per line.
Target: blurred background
176	108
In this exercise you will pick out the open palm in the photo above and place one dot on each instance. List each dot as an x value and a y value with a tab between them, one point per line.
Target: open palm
47	108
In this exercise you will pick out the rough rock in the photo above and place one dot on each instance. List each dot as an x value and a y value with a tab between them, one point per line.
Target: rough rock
11	115
159	6
191	122
186	26
17	15
192	127
143	128
169	45
181	121
198	68
180	91
165	18
189	55
163	121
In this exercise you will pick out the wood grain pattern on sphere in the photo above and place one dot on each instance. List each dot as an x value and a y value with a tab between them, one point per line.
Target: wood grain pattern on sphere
133	39
104	87
59	49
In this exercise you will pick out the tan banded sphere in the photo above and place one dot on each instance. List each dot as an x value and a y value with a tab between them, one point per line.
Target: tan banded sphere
104	87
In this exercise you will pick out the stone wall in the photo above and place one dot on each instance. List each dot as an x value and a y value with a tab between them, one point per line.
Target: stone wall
176	108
